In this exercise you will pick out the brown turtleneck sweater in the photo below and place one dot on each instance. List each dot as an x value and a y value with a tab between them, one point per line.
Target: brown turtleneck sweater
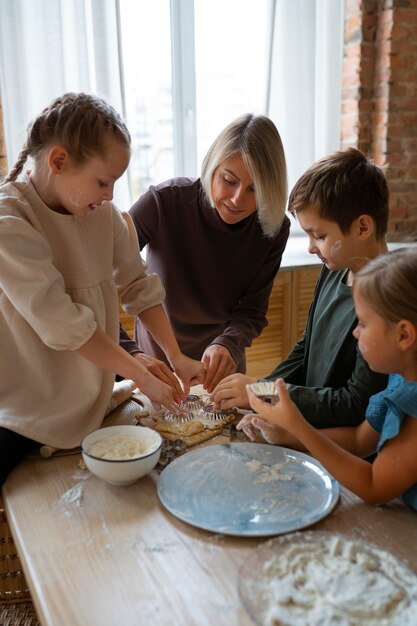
218	277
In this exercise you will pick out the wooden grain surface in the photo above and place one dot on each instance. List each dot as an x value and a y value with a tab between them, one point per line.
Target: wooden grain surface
113	555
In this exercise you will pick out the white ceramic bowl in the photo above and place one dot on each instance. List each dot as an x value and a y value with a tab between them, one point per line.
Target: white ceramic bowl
123	471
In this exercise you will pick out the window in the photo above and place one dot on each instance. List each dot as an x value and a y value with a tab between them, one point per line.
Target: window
146	65
232	48
180	70
189	68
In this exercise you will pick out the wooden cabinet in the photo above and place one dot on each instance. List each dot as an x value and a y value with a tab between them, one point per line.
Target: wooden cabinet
275	339
128	322
288	308
289	304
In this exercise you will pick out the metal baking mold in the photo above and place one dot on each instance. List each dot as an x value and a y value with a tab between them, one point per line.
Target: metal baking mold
208	412
265	390
191	403
178	419
190	407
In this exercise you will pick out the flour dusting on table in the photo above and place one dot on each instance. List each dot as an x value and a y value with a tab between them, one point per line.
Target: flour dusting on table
324	579
73	495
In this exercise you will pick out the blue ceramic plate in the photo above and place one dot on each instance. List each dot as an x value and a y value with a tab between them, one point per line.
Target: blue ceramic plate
247	489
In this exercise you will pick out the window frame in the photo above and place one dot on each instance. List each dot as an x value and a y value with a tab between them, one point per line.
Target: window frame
183	87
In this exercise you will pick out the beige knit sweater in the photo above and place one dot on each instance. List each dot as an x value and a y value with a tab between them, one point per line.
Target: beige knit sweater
61	277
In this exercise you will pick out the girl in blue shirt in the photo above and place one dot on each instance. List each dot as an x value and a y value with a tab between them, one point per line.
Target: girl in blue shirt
385	295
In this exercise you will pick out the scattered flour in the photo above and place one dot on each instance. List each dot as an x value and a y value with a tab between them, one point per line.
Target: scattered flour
118	448
323	579
73	495
158	547
267	473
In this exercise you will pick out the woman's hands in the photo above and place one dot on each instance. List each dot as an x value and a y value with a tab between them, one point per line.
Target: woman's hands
189	371
218	363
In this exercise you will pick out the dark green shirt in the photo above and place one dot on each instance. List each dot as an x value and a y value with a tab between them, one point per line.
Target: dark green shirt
329	380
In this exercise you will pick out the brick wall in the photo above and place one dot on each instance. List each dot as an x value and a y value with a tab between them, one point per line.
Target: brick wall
379	98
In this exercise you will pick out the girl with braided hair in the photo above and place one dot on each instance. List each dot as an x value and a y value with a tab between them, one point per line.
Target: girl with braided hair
67	257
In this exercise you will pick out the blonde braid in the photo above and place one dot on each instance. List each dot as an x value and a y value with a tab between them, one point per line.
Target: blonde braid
80	122
18	166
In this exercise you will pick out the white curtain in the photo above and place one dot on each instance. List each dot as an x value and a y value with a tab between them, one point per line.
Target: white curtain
49	47
305	79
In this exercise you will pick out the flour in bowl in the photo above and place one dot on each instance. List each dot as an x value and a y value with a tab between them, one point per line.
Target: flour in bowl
325	579
118	448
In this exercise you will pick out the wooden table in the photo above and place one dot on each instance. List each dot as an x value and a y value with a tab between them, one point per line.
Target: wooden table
99	555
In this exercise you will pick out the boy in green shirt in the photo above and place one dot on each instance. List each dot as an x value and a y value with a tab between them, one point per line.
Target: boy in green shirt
341	202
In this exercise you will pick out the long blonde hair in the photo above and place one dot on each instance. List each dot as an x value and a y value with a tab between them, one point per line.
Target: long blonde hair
80	122
388	283
257	140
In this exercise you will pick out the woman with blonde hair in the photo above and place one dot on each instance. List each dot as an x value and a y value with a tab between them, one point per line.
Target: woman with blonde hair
217	243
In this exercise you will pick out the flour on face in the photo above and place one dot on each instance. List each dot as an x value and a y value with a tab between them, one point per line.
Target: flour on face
336	247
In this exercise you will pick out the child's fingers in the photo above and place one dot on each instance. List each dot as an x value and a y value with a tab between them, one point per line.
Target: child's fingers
282	389
256	404
263	425
242	422
245	424
186	391
269	431
269	411
168	401
249	431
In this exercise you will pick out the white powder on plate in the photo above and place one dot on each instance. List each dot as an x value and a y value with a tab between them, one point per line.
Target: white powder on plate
323	579
118	448
267	473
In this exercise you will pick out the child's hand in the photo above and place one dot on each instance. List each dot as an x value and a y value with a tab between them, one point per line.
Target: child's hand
158	392
255	427
246	425
231	392
162	371
284	414
189	371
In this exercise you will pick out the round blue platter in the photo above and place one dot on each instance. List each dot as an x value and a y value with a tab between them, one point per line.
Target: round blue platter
247	489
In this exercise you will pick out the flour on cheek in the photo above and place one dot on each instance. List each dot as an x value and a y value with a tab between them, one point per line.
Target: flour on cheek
77	198
363	347
336	247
